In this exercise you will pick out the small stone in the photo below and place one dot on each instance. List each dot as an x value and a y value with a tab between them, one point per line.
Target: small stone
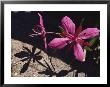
94	58
81	74
16	74
34	75
74	73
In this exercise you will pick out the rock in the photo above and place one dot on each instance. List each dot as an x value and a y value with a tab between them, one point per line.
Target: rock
34	67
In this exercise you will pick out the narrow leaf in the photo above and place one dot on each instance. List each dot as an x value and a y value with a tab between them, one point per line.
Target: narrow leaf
87	48
61	29
92	41
82	21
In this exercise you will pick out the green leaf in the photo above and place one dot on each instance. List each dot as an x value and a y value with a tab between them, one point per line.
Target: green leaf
61	29
87	48
82	21
92	42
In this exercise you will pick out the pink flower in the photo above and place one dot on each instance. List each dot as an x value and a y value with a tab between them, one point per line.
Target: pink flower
74	38
42	32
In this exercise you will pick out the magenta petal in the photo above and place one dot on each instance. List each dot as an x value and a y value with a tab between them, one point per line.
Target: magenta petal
41	20
78	52
89	33
68	25
58	43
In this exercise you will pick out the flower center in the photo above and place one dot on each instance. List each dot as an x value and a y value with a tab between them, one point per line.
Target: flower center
75	38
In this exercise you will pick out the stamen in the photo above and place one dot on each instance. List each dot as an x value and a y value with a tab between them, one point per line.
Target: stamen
34	31
32	35
80	41
64	34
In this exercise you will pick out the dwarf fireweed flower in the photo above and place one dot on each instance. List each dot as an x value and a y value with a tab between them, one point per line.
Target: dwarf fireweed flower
74	38
40	32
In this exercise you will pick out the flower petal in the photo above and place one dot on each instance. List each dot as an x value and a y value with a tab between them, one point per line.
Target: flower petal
89	33
41	20
79	53
68	25
58	43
